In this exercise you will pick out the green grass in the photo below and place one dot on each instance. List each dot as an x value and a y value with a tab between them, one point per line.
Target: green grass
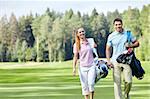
55	81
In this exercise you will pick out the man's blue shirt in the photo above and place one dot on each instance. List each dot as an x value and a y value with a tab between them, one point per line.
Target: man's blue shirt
117	41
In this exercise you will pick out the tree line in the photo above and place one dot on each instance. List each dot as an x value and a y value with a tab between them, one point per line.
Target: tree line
49	37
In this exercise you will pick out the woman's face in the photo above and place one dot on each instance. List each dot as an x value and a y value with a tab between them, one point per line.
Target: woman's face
81	33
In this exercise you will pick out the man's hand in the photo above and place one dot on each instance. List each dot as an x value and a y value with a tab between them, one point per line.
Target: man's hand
132	45
127	45
110	65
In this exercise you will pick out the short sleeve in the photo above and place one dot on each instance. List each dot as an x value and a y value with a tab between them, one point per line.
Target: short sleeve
133	38
109	41
75	48
91	42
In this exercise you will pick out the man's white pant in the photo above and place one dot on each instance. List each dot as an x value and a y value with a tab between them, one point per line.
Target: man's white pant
87	79
127	74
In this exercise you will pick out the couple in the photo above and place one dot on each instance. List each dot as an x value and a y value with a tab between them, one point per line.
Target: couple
83	50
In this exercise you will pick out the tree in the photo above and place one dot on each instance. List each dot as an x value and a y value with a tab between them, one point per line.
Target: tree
68	14
23	51
36	32
14	32
45	30
143	51
56	36
73	24
110	17
1	52
99	32
50	36
5	38
131	20
86	25
29	35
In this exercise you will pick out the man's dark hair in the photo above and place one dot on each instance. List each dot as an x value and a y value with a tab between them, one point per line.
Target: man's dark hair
117	19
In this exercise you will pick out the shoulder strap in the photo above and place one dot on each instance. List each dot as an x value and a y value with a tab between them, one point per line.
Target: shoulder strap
91	42
129	36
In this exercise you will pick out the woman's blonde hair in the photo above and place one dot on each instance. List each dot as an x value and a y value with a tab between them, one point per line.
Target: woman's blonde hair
77	41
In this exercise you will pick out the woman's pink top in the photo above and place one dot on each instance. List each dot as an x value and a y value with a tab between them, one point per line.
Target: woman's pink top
85	54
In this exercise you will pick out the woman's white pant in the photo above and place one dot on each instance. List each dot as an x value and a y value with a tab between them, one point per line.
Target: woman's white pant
87	79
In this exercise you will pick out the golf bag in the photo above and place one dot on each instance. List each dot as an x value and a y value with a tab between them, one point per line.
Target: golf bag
129	58
101	69
125	58
136	67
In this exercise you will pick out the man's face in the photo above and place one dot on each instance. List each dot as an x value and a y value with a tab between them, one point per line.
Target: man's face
118	26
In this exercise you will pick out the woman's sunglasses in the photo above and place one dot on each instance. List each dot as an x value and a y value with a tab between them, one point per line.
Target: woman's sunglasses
81	31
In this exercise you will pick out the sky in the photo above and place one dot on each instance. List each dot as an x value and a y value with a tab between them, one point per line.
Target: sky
24	7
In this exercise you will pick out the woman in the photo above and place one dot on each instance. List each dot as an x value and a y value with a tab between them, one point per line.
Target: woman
83	50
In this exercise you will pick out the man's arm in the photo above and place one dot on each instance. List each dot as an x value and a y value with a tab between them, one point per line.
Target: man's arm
133	45
108	55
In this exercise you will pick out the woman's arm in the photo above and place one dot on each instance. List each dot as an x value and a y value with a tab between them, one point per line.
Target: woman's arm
75	59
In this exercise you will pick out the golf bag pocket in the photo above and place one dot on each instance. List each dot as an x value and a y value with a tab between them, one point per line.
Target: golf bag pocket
125	58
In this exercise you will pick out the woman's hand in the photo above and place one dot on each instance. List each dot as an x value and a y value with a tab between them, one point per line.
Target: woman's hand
75	58
74	71
95	45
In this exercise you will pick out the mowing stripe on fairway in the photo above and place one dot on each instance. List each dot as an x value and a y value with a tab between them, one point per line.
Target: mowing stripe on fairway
57	88
55	81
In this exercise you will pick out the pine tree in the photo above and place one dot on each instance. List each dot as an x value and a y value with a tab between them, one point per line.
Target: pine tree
5	39
14	32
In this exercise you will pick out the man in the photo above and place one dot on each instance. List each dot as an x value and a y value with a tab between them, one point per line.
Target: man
117	40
